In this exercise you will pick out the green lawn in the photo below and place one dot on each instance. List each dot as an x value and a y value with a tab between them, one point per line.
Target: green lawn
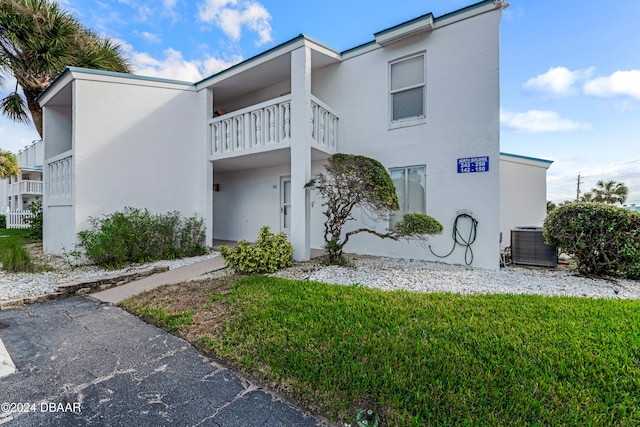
432	359
22	234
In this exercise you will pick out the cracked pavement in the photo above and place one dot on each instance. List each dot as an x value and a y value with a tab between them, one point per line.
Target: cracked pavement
82	363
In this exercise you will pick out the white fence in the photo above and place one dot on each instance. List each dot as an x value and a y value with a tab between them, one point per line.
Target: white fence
16	219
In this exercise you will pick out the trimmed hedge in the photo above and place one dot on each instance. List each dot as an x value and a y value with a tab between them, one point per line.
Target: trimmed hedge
603	239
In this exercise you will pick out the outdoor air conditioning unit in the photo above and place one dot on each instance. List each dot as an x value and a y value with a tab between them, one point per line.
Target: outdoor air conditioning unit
528	248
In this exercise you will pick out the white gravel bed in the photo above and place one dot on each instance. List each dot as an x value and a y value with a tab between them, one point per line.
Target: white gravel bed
20	285
424	276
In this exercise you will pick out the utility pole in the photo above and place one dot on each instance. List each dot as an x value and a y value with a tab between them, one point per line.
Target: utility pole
578	189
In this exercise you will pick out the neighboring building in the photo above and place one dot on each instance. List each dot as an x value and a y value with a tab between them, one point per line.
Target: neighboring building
17	193
238	147
523	193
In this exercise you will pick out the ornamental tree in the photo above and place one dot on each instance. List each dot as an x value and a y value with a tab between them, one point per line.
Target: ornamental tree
353	181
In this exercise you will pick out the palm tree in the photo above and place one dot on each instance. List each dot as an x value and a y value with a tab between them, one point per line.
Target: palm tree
38	40
587	197
8	165
610	192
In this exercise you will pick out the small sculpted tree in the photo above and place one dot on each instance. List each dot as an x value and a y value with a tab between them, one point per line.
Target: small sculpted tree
353	181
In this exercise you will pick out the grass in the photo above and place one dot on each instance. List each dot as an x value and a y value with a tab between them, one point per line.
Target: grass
424	359
13	255
21	234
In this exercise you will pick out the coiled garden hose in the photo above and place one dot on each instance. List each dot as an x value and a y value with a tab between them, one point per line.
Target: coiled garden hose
459	239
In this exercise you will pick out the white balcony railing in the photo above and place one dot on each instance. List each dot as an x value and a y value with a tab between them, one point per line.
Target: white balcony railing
60	178
324	125
26	187
268	124
257	126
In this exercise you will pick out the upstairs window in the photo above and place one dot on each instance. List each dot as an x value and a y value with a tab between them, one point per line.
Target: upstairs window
410	188
407	88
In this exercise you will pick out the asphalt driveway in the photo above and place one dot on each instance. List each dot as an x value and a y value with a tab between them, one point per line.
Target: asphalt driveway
82	363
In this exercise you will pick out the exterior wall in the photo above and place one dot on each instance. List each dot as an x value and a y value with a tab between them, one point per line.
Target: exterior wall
147	154
32	155
249	199
59	130
523	194
253	98
58	228
246	201
462	109
137	145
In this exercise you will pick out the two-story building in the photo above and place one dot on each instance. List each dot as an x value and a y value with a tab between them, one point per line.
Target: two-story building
19	192
238	147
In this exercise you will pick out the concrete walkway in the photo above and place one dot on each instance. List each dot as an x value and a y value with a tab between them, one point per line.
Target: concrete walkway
80	363
177	275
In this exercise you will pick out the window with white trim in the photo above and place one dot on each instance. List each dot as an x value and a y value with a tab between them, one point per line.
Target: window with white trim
407	88
410	183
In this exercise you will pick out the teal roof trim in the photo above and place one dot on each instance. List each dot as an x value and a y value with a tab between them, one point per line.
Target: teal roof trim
404	24
128	76
526	158
464	9
110	74
266	52
419	18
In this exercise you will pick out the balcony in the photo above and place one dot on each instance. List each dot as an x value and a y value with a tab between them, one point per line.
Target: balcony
267	126
26	187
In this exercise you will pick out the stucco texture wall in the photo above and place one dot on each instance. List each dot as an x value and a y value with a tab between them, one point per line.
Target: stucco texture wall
462	120
137	146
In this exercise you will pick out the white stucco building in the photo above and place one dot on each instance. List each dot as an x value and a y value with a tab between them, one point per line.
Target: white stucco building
17	193
523	193
237	148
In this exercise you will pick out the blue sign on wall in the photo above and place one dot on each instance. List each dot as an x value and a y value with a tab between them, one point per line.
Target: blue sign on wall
473	164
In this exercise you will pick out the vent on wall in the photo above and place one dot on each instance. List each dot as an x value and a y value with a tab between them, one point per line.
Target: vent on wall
528	248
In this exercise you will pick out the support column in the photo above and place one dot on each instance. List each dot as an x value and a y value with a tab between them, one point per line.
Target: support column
300	152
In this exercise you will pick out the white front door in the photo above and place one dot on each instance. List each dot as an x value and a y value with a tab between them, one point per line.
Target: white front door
285	204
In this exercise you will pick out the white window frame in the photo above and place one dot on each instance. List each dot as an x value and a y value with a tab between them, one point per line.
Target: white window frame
403	209
413	120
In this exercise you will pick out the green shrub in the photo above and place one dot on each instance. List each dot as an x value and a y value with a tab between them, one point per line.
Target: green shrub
602	239
417	223
35	221
270	253
136	235
3	221
13	255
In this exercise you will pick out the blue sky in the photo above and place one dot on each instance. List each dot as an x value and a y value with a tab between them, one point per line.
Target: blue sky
570	69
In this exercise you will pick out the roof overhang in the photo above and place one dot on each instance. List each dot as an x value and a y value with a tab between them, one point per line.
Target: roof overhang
410	28
524	160
59	91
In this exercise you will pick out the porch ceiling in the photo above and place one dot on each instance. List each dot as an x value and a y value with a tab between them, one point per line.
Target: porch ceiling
62	97
262	160
253	161
264	74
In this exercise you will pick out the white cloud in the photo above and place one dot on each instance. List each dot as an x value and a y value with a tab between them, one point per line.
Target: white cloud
620	83
232	15
15	136
175	66
537	121
150	37
558	81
